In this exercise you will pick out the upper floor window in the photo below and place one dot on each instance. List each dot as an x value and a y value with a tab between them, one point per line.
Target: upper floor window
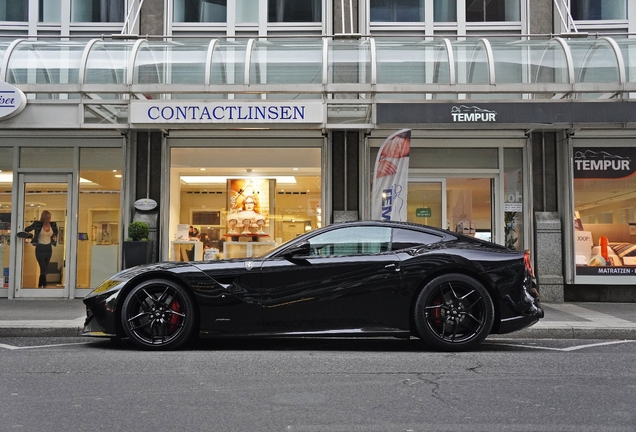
50	11
13	10
397	10
200	11
97	11
294	11
493	10
444	11
599	9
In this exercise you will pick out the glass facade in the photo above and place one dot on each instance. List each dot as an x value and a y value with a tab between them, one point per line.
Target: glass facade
14	10
397	10
599	9
99	228
211	11
604	202
97	11
456	189
293	11
493	10
6	198
239	201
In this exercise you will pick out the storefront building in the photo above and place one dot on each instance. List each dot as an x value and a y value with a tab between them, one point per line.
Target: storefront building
274	114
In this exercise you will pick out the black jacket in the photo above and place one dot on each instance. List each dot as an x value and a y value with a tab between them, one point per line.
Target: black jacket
37	226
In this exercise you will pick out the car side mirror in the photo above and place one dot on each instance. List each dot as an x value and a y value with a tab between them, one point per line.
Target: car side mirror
298	251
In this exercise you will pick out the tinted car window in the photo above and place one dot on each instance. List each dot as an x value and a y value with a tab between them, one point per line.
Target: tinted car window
351	241
405	238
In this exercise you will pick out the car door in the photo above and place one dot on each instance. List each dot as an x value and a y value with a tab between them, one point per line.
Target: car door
347	282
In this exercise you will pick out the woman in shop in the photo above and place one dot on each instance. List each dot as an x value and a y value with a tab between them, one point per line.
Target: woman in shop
44	238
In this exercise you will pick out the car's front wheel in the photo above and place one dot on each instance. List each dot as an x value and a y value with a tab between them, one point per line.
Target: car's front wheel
158	314
454	312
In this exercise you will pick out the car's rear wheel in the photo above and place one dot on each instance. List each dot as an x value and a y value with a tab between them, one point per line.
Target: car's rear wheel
454	312
158	314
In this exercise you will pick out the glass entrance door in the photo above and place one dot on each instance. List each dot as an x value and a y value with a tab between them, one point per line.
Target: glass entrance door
43	200
459	204
426	202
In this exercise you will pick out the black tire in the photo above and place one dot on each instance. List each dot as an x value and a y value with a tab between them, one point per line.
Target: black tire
158	315
454	312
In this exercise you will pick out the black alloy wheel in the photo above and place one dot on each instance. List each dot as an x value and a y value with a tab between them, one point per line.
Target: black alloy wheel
454	313
159	315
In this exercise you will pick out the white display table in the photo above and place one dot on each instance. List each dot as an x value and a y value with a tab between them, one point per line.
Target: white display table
186	250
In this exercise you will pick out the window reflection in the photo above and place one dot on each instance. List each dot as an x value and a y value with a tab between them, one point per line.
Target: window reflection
294	11
397	10
492	10
13	10
209	11
50	11
599	9
97	11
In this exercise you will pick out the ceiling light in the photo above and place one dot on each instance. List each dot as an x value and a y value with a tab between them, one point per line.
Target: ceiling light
224	179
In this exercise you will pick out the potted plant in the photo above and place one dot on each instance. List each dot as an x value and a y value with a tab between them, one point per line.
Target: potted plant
137	248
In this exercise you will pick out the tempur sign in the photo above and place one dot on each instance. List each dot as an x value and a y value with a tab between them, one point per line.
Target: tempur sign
472	114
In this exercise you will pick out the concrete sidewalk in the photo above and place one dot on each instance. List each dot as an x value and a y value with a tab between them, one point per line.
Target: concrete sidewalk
43	317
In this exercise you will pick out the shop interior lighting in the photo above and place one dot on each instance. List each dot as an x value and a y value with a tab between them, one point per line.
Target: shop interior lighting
8	178
223	179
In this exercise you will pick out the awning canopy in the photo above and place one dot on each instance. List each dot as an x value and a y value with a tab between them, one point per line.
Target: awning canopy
365	68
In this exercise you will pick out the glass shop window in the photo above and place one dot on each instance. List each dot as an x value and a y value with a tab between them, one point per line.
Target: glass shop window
493	10
236	201
288	11
599	9
14	10
513	198
97	11
6	194
98	219
397	10
604	202
201	11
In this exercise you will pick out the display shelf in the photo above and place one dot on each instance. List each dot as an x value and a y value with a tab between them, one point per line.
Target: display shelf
237	249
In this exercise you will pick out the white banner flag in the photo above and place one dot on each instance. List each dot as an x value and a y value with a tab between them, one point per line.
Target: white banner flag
390	178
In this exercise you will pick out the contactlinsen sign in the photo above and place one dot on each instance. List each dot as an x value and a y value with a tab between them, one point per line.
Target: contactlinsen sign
225	112
12	100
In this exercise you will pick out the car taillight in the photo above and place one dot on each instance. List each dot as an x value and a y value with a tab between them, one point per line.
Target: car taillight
528	262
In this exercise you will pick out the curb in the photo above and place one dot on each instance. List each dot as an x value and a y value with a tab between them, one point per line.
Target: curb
572	332
66	329
42	328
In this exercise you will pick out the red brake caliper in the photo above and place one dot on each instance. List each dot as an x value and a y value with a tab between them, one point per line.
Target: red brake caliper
436	313
174	318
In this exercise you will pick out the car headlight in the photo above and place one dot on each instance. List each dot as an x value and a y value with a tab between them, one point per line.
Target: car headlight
105	286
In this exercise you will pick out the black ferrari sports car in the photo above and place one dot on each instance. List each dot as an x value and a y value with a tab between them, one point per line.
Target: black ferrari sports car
364	278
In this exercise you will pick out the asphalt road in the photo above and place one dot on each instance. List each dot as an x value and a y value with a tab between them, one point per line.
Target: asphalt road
76	384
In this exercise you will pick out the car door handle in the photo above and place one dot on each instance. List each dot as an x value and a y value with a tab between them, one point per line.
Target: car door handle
395	267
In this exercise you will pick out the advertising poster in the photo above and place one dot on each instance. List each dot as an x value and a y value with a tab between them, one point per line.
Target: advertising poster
248	206
390	178
603	241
